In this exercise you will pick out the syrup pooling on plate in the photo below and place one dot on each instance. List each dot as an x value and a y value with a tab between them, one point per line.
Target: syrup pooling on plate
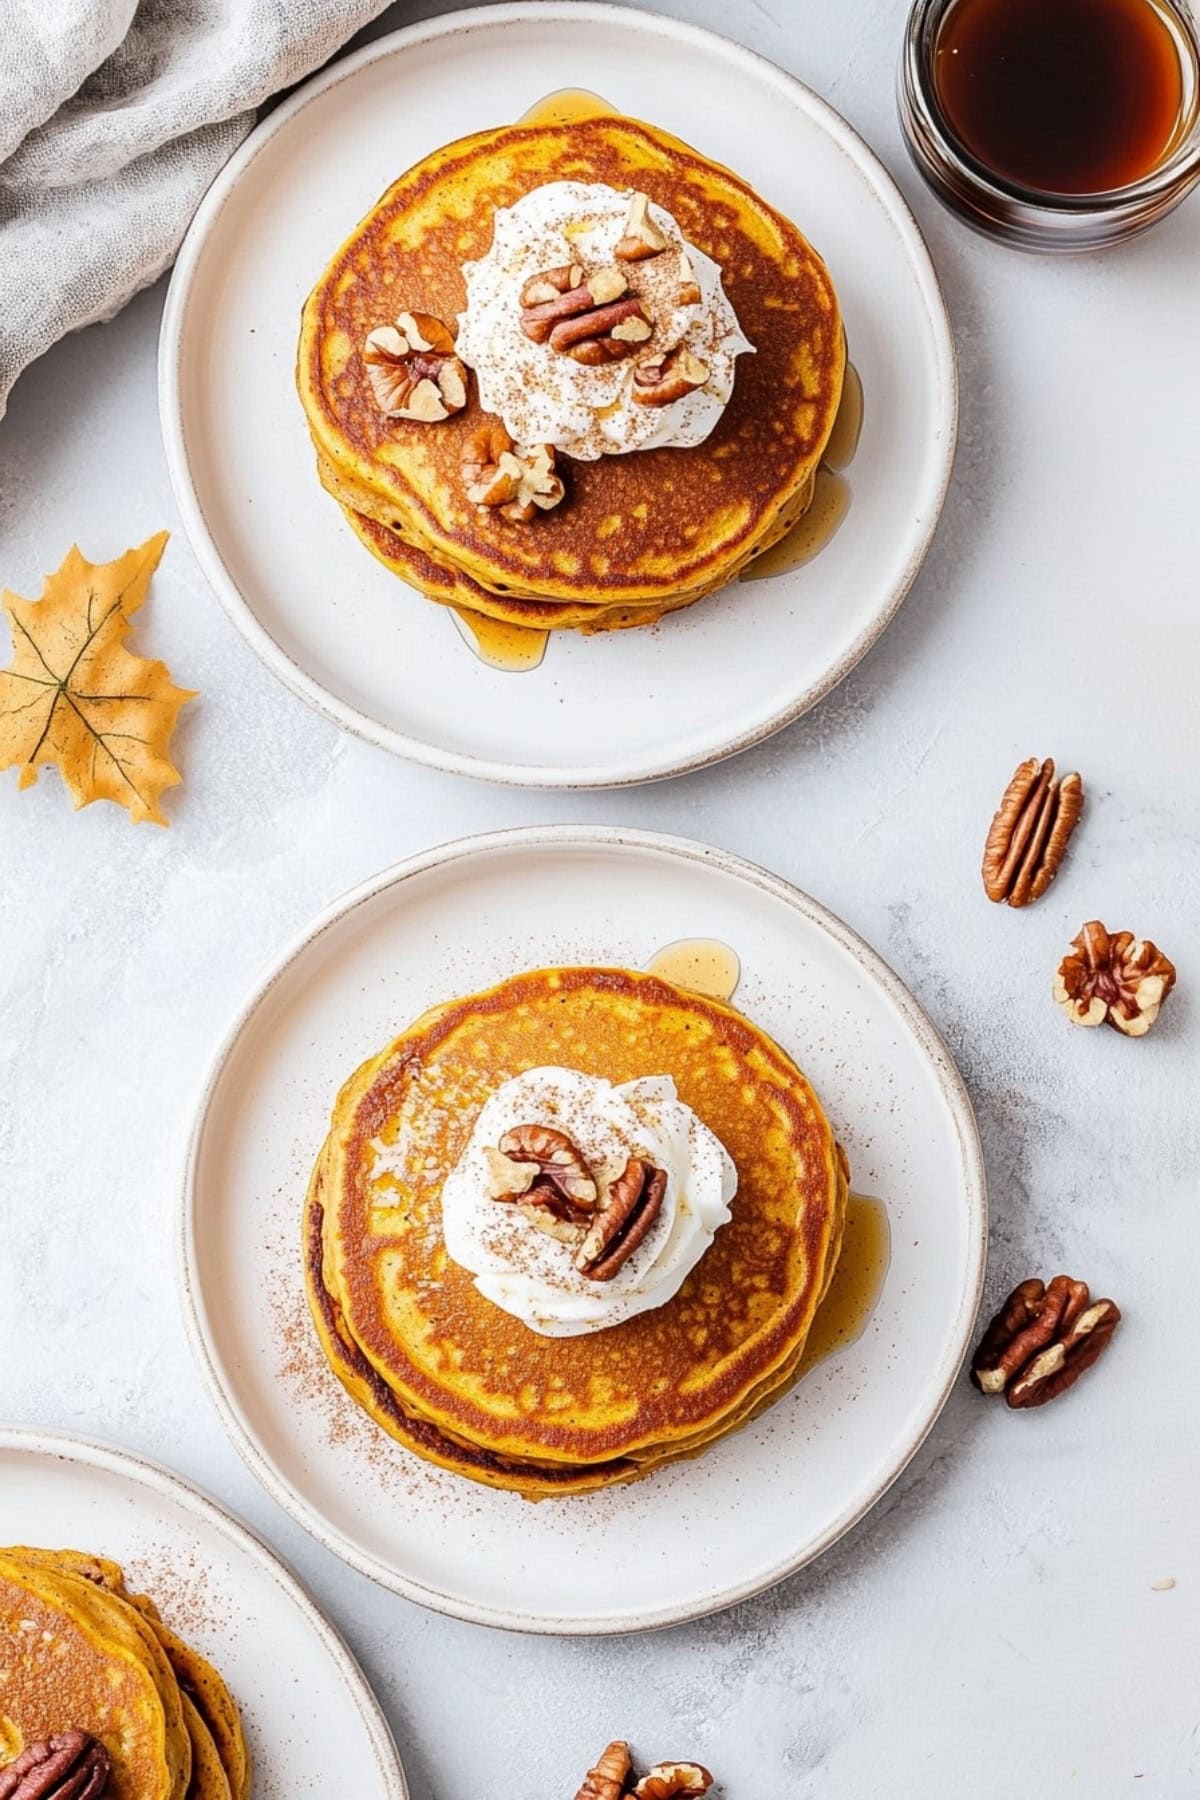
705	965
831	495
512	648
813	530
857	1281
847	427
566	105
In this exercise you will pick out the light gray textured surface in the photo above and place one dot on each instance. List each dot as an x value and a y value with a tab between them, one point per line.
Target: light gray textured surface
994	1616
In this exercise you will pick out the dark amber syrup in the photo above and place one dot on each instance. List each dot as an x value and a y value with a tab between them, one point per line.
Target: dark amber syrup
857	1281
831	493
1062	96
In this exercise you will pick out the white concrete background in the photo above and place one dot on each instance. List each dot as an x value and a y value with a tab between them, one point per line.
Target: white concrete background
991	1626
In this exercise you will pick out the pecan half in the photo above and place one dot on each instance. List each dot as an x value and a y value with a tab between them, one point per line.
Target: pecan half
668	378
642	237
70	1766
556	1162
1060	1364
673	1781
634	1202
608	334
1025	1323
609	1779
519	483
1028	835
413	371
540	316
1113	978
1041	1341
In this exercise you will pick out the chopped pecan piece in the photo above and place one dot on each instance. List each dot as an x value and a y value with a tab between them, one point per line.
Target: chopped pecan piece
556	1163
546	287
71	1766
520	483
544	1208
642	237
634	1202
688	292
413	371
481	458
1041	1341
508	1179
668	378
1029	833
673	1781
1113	978
609	1779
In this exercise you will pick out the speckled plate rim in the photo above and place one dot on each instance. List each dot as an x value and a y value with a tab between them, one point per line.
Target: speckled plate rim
90	1453
942	372
479	848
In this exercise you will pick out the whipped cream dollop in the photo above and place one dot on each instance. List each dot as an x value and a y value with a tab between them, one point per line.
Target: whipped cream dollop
544	396
533	1276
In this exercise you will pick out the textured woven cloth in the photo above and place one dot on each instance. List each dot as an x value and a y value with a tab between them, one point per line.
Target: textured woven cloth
114	118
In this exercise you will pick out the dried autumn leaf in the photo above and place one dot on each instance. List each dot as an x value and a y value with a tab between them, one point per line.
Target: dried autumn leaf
74	696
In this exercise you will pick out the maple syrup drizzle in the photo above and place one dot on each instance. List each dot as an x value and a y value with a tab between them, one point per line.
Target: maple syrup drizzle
512	648
857	1281
847	427
811	532
566	105
831	496
704	965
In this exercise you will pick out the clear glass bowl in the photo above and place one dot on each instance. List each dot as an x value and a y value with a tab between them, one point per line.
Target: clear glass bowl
1025	217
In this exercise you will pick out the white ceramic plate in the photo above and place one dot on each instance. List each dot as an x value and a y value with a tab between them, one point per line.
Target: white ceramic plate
337	627
757	1505
313	1725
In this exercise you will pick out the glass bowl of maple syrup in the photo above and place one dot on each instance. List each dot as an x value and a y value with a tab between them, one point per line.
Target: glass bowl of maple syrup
1054	124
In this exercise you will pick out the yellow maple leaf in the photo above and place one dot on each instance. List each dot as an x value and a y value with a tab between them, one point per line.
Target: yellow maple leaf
74	696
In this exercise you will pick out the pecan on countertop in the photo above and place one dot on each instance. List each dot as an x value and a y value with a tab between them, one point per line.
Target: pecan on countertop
1113	978
1029	833
1041	1341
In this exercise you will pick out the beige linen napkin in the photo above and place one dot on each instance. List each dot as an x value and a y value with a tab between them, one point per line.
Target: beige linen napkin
114	118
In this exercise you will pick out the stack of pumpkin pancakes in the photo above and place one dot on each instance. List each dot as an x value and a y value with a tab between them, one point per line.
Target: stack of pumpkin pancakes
81	1655
474	1389
638	535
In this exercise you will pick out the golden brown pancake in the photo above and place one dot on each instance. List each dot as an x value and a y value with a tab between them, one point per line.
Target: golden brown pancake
205	1690
452	588
220	1761
209	1780
73	1655
469	1386
637	534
